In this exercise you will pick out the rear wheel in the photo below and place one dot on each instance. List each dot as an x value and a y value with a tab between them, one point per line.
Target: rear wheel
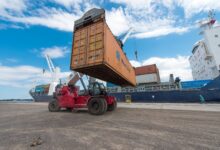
97	106
53	106
69	109
112	106
105	105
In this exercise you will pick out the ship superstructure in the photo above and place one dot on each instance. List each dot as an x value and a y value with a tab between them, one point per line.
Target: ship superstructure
205	58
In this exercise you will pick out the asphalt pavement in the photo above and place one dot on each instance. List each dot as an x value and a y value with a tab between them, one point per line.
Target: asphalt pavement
124	129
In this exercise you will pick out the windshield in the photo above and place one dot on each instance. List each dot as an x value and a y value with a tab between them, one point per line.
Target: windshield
102	87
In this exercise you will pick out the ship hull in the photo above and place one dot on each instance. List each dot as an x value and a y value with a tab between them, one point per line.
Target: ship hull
171	96
42	98
211	96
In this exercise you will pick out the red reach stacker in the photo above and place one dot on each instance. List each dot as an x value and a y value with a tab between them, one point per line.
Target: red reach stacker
95	98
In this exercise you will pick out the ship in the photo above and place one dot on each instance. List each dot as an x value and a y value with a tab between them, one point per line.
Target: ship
151	90
44	92
40	93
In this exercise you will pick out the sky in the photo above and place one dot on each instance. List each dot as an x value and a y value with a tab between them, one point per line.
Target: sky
164	32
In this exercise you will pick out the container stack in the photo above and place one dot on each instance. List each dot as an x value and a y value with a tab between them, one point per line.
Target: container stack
42	88
96	52
147	74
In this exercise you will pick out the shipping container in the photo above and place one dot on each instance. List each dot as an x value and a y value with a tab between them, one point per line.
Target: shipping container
147	69
147	78
96	52
147	74
44	88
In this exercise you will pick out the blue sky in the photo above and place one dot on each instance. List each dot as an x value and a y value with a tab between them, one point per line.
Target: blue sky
164	33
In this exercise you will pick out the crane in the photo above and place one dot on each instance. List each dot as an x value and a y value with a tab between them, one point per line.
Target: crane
127	35
50	63
55	71
122	41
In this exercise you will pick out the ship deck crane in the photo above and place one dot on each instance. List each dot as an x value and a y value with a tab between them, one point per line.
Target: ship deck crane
55	71
127	35
122	41
50	63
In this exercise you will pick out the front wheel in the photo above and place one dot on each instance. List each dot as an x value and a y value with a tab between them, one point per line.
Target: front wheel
53	106
97	106
112	106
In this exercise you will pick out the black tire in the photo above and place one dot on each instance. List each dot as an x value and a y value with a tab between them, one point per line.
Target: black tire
69	109
106	105
97	106
112	106
53	106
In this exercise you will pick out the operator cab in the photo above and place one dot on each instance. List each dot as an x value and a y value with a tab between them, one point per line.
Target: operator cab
97	88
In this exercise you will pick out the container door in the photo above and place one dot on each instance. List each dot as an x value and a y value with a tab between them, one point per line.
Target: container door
79	48
95	43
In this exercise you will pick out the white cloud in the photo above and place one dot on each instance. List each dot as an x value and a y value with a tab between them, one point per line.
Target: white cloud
25	76
158	18
13	5
52	18
179	66
138	4
69	3
192	7
145	18
142	15
161	32
6	26
149	18
18	76
77	6
54	52
117	21
135	63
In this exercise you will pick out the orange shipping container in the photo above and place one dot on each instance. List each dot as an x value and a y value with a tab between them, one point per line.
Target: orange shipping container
147	69
96	52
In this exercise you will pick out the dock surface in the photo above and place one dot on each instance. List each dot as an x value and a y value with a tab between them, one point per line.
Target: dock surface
125	129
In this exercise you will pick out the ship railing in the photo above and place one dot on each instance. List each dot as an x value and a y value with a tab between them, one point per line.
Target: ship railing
143	88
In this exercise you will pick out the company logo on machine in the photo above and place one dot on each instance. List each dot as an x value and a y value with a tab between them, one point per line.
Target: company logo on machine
118	55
